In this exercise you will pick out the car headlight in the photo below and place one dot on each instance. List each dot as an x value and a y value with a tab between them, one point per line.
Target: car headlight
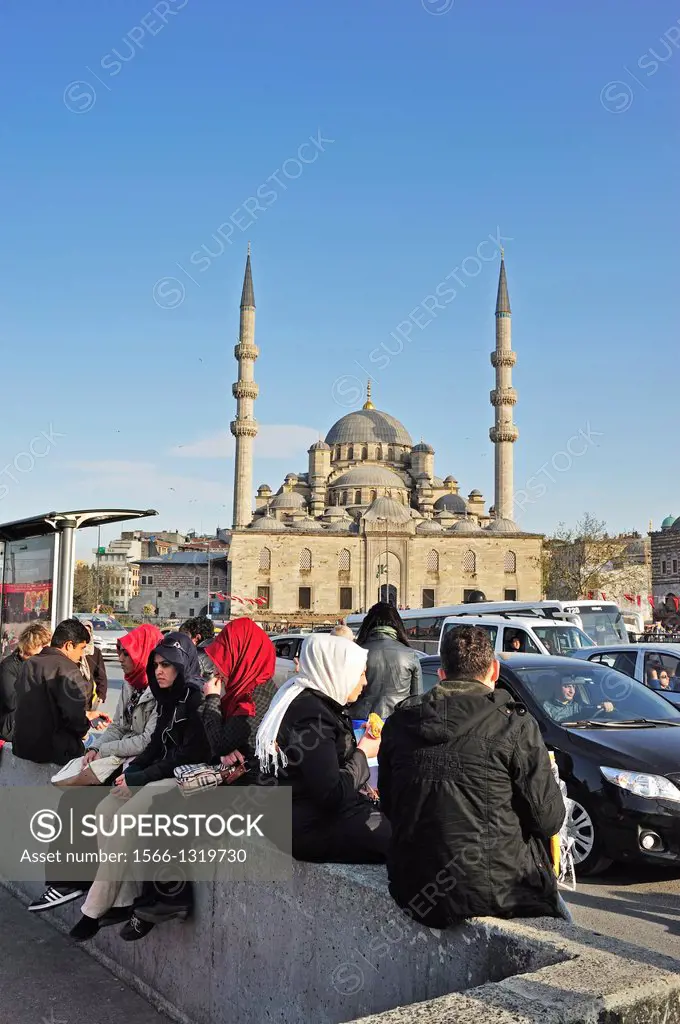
654	787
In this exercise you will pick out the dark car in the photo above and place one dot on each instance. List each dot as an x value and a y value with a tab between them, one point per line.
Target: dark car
616	747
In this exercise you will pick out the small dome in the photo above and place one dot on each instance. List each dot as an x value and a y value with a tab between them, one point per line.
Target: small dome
502	526
338	526
335	512
452	480
369	476
466	528
452	503
422	447
475	494
387	508
428	526
668	522
320	446
291	478
288	499
264	488
445	516
368	425
676	525
437	481
306	524
267	524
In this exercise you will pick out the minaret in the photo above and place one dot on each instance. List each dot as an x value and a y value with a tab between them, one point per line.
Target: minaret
504	433
245	391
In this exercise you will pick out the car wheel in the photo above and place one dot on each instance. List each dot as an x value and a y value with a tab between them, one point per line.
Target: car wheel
588	860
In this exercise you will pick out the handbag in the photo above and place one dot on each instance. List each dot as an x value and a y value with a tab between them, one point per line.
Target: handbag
192	778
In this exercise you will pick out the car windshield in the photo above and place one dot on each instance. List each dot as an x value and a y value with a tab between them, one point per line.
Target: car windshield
562	639
107	624
603	625
594	692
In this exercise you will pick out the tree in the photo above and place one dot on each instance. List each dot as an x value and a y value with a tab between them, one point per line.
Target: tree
85	589
587	560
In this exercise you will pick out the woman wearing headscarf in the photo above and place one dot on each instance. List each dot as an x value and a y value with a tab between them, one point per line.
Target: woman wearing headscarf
93	670
238	696
179	738
306	739
134	719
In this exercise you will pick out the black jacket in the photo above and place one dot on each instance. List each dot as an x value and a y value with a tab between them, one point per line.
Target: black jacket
393	673
325	770
50	720
179	737
465	779
10	667
99	683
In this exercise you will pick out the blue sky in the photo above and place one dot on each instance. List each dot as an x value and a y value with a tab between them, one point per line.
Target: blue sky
132	131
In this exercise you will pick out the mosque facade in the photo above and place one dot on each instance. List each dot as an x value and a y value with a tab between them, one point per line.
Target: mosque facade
370	518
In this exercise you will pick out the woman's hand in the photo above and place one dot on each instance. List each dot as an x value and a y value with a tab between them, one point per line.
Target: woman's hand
236	757
120	787
90	755
369	746
212	687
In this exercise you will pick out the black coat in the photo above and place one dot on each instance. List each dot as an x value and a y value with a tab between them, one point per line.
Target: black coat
393	673
99	683
325	770
10	667
180	736
465	779
50	720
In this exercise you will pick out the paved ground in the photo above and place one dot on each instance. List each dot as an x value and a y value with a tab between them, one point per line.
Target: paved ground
114	674
639	905
47	979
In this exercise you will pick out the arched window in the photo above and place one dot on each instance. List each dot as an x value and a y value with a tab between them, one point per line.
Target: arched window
432	561
510	562
305	560
350	452
345	498
357	497
364	452
337	453
379	453
374	495
344	561
470	562
265	560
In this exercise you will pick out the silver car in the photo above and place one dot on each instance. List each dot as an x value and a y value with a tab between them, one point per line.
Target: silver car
648	663
107	633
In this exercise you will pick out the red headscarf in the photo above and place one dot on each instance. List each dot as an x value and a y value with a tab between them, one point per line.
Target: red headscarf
139	643
245	656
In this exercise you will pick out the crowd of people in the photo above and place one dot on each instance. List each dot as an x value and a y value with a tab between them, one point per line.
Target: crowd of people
466	799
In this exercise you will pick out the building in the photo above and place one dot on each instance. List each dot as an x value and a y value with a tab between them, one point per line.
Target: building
665	558
176	585
123	571
370	516
160	542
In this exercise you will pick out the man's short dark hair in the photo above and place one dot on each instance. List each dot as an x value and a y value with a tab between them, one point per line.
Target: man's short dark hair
71	630
200	626
466	653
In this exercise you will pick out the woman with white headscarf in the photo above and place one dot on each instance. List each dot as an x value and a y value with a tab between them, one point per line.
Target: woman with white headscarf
306	739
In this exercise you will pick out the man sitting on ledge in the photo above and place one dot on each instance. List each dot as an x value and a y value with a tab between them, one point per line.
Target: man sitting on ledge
51	718
466	782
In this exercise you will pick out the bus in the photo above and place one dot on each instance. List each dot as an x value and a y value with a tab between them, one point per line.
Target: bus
601	620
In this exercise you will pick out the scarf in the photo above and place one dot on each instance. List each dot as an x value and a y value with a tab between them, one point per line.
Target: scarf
245	656
89	650
389	631
330	665
179	650
139	644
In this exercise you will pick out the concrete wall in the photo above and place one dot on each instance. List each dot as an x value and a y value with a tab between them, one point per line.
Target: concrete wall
331	946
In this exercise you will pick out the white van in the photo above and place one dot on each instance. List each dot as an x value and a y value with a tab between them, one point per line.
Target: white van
536	636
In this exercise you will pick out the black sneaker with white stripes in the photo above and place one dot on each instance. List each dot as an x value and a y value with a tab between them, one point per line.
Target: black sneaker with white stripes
54	897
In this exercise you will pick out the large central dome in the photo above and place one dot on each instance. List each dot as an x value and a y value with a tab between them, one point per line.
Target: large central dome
368	425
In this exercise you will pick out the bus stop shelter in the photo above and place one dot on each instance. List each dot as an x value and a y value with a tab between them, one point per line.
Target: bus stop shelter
37	562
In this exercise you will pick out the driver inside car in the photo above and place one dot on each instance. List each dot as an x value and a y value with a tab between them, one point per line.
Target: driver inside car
565	707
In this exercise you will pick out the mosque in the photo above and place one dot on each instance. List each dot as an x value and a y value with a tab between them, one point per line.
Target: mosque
370	519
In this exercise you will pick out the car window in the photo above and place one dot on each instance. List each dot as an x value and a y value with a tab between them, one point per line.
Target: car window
662	671
625	662
430	677
283	649
606	658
